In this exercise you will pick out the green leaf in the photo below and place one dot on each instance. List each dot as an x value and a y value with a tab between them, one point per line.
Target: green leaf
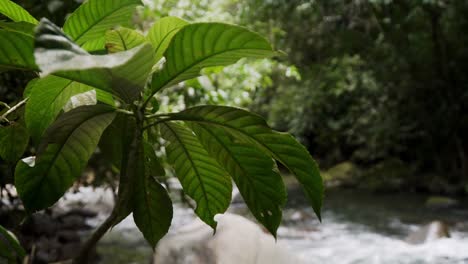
152	205
124	74
93	18
122	39
62	155
152	162
20	27
48	96
201	45
15	12
13	142
251	128
162	32
16	51
253	171
200	175
10	247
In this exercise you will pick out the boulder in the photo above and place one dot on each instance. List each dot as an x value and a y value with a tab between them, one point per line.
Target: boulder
343	174
430	232
386	176
237	240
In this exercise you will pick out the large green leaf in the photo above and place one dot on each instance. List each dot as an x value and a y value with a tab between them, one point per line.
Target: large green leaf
93	18
200	175
253	129
253	171
10	249
201	45
20	27
16	51
62	155
124	73
48	96
122	39
152	205
13	142
15	12
162	32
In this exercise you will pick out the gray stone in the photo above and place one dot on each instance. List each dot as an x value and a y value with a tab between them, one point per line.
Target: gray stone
430	232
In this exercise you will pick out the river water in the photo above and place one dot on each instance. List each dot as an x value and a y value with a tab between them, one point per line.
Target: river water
357	228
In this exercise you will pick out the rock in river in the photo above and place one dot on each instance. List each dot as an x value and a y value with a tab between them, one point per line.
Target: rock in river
429	232
237	240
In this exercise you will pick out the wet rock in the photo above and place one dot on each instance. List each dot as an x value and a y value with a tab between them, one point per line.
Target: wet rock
237	240
430	232
386	176
441	202
74	222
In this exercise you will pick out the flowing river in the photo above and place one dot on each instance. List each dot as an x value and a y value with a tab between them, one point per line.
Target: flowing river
357	228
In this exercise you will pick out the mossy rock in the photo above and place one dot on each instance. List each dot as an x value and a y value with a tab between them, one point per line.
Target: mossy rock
344	174
441	202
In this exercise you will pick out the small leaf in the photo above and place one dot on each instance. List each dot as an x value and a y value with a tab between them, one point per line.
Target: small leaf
81	99
200	175
13	142
62	155
124	74
252	129
15	12
162	32
18	51
47	97
122	39
152	205
200	45
253	171
10	248
94	17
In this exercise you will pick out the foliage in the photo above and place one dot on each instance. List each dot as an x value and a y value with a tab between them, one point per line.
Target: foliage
79	96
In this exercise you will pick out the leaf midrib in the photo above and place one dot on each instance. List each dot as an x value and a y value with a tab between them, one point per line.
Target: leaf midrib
202	186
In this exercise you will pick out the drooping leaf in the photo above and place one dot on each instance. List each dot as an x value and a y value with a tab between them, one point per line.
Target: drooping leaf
123	74
253	129
122	39
162	32
117	138
15	12
94	17
152	162
200	175
10	249
20	27
62	155
13	141
253	171
16	51
152	205
201	45
48	96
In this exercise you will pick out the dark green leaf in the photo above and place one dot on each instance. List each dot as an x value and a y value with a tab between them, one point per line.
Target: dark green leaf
13	142
162	32
152	205
15	12
201	45
62	155
116	139
124	73
93	18
20	27
122	39
200	175
16	51
281	146
10	247
253	171
48	96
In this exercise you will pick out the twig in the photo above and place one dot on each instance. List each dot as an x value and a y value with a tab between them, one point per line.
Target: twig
13	108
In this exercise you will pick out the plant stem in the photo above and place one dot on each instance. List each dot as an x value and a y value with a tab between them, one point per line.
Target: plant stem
13	108
84	255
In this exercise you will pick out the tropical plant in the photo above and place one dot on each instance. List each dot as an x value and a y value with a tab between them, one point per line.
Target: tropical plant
82	100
